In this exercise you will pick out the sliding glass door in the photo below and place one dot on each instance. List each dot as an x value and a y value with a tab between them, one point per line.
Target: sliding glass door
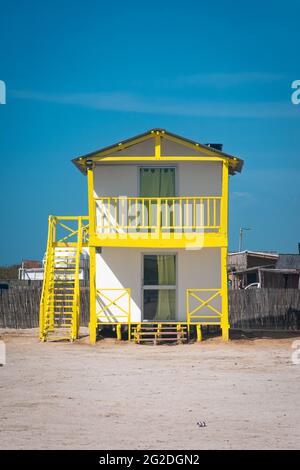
159	287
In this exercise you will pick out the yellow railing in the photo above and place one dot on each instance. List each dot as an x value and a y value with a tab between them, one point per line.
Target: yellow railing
113	305
143	214
204	306
67	230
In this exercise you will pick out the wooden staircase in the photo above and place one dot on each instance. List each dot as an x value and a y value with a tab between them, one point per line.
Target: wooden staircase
160	333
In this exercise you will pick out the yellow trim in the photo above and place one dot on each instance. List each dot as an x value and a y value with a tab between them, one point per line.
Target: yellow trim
209	240
91	204
157	146
224	281
122	146
224	203
147	158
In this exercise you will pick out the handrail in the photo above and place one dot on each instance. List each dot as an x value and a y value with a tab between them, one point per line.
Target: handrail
46	275
119	213
57	221
149	198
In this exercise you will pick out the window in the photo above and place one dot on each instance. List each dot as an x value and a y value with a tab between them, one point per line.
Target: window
159	287
157	182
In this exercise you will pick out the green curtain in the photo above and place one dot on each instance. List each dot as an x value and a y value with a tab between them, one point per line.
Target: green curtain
166	297
157	182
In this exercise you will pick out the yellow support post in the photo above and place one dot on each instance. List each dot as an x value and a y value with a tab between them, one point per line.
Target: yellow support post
76	303
224	295
119	331
157	146
224	229
93	317
199	333
92	250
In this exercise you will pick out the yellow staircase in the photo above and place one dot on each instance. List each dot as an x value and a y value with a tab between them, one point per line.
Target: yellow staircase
60	299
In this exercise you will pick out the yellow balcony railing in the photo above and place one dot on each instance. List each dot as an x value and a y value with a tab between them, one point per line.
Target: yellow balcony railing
156	216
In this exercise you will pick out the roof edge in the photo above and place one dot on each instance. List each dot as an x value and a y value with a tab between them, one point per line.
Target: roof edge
232	170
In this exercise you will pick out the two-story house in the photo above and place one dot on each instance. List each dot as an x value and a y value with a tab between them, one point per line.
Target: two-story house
157	235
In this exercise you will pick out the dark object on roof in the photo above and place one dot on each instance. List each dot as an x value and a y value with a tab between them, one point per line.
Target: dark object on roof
215	146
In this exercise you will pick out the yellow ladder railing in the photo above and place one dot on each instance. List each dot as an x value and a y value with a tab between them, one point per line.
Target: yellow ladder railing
60	297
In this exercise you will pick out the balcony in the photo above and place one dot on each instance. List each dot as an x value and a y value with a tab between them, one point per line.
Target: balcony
177	222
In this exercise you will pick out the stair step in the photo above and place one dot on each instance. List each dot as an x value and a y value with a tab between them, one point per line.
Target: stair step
143	333
163	329
58	281
150	340
64	295
63	313
64	288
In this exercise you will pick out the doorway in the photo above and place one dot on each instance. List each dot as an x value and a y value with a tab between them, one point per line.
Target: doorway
159	287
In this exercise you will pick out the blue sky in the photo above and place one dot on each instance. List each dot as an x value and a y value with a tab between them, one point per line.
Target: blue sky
81	75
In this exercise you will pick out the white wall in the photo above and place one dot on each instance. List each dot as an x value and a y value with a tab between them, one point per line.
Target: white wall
200	178
193	178
122	267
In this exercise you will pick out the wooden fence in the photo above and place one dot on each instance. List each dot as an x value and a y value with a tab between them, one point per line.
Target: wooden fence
275	309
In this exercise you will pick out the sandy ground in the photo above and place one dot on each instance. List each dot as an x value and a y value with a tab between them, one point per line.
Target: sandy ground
126	396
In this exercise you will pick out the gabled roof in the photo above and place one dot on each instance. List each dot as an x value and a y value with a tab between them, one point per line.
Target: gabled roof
124	150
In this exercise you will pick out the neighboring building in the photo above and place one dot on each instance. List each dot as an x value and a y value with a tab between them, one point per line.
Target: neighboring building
34	270
31	270
243	266
157	234
269	270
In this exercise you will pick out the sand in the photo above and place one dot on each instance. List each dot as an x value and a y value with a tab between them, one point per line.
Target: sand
126	396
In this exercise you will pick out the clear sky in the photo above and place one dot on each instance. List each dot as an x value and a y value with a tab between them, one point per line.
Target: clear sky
83	74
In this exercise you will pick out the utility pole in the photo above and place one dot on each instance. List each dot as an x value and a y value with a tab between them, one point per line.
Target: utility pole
242	230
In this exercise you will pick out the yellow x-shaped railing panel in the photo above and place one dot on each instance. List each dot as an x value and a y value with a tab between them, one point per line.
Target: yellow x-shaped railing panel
113	301
197	294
